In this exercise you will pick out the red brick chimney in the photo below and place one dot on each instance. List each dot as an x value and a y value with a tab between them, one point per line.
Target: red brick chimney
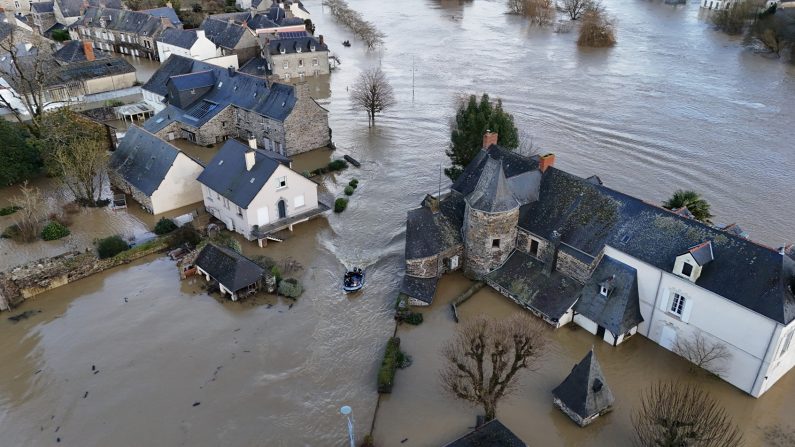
88	50
489	138
545	162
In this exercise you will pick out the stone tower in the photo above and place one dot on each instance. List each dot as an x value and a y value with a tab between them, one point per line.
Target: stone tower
490	221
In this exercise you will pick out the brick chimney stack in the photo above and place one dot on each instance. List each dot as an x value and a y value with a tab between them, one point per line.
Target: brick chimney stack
546	162
88	50
489	138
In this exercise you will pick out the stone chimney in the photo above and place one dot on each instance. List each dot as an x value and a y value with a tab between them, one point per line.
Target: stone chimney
252	142
489	138
320	40
231	70
169	5
545	162
552	253
88	50
251	158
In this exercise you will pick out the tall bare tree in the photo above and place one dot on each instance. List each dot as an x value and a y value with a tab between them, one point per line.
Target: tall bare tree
484	357
576	8
675	415
75	149
373	93
32	211
704	354
26	62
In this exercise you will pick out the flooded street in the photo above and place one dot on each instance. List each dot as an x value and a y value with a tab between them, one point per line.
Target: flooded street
673	105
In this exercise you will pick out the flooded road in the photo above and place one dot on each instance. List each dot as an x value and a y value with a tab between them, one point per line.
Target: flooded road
674	105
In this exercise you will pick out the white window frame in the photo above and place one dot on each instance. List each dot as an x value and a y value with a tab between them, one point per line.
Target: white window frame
603	290
299	201
300	63
286	65
315	62
678	303
281	183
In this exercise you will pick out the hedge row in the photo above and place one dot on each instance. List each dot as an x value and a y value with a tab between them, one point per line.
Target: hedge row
386	375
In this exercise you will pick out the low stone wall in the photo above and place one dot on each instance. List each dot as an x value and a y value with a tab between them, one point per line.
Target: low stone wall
37	277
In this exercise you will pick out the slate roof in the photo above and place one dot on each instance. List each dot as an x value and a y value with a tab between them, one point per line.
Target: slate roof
256	67
165	12
229	267
81	71
422	289
292	43
178	37
524	279
226	173
73	51
231	88
490	434
512	164
619	311
702	253
736	230
143	159
42	7
590	216
585	390
123	20
492	193
223	33
429	233
70	8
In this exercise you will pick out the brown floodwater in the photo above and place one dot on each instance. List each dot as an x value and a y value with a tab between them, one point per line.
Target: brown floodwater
674	104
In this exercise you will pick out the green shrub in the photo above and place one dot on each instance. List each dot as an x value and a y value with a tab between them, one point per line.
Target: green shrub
386	375
226	240
354	183
413	318
337	165
183	235
165	226
111	246
53	231
276	273
306	174
349	190
9	210
340	205
290	288
60	35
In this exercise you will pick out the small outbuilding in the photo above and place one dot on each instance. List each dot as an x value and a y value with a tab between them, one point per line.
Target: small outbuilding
492	433
236	275
584	395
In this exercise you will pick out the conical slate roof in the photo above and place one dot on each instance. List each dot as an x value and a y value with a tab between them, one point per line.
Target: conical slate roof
585	390
492	193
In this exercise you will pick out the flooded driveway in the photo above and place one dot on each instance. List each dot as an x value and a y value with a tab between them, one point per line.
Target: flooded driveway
674	105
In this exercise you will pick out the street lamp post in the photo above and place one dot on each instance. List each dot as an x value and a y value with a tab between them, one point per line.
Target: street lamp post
346	411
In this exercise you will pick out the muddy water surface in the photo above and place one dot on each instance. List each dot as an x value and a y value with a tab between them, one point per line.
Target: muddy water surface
673	105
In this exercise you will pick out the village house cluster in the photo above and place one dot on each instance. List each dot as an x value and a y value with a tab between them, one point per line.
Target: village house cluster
571	250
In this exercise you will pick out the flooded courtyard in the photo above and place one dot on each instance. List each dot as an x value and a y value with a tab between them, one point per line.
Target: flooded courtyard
673	105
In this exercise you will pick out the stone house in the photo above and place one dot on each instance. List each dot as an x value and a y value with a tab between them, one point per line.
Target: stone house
43	15
231	36
236	275
584	395
192	44
255	193
207	104
289	8
72	72
121	31
570	249
155	173
295	55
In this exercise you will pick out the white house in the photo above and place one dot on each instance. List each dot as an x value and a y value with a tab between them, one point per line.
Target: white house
188	43
569	249
157	174
255	193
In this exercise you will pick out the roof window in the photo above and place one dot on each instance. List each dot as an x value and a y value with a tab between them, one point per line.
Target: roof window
220	163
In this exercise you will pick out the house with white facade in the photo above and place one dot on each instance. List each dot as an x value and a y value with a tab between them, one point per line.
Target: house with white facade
571	250
192	44
255	193
155	173
289	8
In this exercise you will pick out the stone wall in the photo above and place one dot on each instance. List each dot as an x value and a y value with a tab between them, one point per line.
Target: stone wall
573	267
481	229
307	126
37	277
218	128
267	131
423	267
524	240
120	183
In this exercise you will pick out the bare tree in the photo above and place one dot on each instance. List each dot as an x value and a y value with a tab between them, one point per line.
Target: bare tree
26	64
485	355
597	30
701	353
75	150
540	12
674	415
373	93
576	8
31	212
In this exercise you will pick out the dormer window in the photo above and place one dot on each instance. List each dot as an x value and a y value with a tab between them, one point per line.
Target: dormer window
691	263
603	290
282	50
298	49
311	48
687	269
